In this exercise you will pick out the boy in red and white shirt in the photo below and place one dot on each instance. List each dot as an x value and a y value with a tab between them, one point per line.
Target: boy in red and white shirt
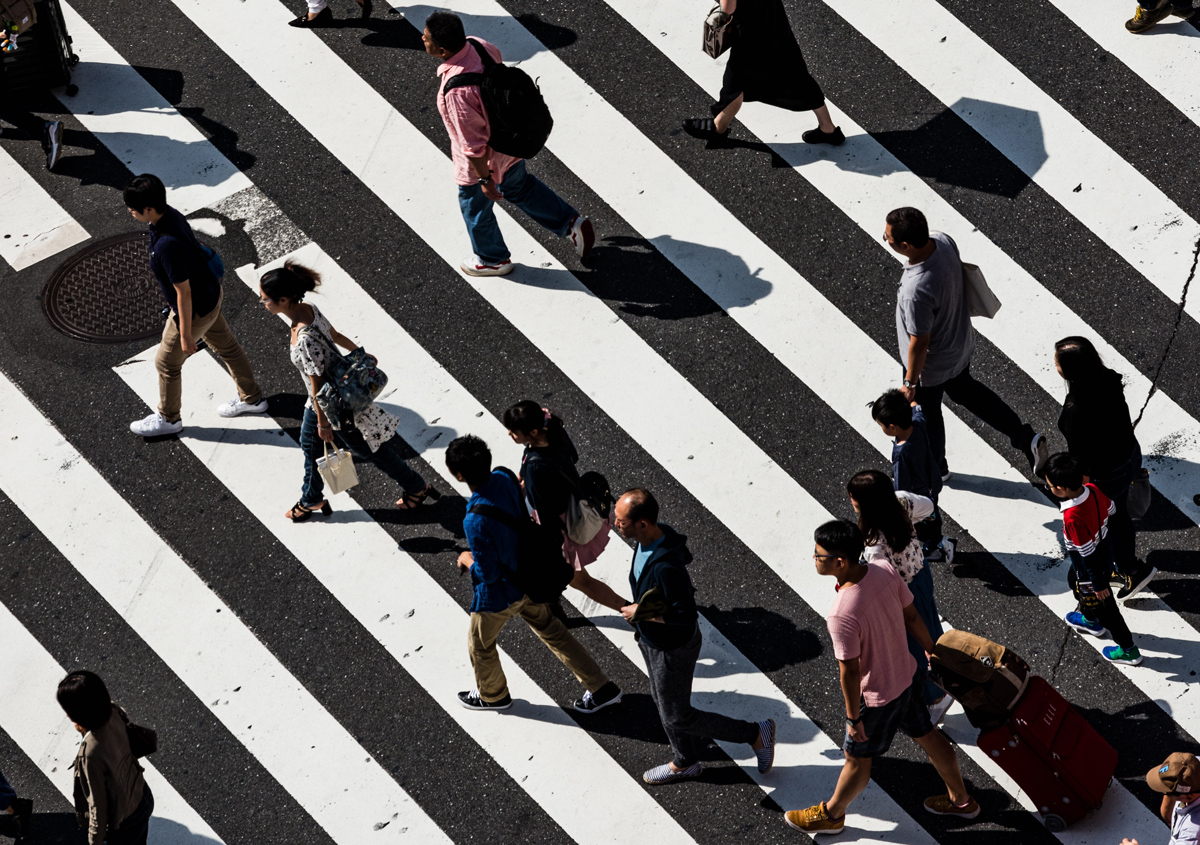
1085	513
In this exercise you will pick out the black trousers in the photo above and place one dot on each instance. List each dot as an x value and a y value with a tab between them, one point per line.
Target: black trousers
977	398
1107	612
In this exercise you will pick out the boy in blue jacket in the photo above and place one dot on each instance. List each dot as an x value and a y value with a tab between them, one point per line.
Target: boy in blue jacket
664	613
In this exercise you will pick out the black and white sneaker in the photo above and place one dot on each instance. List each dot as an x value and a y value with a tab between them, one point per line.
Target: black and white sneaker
470	699
53	143
1135	583
608	694
1039	451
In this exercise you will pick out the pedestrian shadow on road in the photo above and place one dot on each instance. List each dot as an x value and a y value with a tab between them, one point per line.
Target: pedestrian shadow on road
701	279
770	640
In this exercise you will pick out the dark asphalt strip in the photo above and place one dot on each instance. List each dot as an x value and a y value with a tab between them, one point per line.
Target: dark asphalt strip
209	767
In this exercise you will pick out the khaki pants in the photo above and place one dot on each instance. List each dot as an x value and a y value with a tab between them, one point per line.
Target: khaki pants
169	360
481	643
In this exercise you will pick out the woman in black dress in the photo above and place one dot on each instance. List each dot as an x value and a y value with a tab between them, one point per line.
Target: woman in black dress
1095	420
765	66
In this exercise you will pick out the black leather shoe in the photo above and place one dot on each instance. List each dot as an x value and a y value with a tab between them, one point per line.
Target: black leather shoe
323	18
816	136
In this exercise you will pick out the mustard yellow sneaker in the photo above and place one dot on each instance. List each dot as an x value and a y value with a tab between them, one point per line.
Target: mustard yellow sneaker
941	805
1144	18
814	820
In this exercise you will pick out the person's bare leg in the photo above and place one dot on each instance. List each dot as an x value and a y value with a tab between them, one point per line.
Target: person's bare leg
727	114
852	781
941	754
597	591
824	121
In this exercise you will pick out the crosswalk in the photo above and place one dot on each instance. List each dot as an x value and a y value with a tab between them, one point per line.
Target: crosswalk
719	349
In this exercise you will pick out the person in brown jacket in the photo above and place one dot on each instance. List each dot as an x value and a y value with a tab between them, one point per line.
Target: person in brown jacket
112	799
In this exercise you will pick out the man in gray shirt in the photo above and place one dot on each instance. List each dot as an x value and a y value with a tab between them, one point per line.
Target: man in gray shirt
933	329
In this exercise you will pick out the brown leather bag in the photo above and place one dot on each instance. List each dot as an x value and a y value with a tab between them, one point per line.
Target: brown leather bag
718	32
17	15
985	677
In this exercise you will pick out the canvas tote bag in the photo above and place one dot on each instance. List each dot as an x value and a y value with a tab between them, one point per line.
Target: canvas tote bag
337	470
980	300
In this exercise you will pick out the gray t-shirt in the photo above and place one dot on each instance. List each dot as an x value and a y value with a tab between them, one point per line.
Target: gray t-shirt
932	301
1185	824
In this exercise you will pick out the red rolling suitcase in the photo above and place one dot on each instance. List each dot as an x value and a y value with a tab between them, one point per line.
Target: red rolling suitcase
1058	759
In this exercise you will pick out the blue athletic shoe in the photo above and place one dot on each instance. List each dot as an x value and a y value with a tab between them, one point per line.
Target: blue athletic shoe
1085	626
1128	656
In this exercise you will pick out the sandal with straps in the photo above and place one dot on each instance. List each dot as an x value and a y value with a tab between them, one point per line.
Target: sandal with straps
412	501
300	512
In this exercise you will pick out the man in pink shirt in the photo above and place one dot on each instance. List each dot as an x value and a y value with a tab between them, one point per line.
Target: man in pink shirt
867	623
484	175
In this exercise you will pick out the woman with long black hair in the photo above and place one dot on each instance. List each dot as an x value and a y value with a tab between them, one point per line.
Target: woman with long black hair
766	66
886	518
370	435
549	479
1095	420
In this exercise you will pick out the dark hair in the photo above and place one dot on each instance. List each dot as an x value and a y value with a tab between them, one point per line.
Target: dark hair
880	514
1062	470
84	698
893	408
470	456
1081	365
145	191
446	31
528	416
840	537
642	505
291	281
909	226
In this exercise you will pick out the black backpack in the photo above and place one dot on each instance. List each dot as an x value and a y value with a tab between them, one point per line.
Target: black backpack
518	115
542	571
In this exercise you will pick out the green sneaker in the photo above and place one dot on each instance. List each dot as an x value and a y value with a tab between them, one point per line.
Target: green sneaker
1129	656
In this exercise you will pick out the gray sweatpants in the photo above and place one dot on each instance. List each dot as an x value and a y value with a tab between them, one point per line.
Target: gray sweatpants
688	729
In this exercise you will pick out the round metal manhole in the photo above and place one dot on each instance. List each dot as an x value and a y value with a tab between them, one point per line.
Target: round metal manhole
106	293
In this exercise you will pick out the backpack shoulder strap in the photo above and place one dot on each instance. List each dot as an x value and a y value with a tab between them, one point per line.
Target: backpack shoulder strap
484	55
499	514
462	80
573	483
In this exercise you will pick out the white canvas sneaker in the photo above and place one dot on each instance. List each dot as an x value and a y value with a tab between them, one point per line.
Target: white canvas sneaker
236	407
155	425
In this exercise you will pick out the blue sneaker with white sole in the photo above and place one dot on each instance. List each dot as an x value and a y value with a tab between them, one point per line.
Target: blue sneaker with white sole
1085	626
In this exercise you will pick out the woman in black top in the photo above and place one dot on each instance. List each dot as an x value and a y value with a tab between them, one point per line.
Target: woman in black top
765	66
548	478
1095	420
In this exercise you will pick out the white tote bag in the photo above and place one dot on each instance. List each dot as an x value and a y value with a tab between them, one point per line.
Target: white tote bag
337	470
981	302
583	521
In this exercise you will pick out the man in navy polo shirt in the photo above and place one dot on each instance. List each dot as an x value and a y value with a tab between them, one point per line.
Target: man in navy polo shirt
194	296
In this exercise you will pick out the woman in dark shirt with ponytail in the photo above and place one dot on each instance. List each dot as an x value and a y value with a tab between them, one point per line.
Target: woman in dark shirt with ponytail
549	477
1095	420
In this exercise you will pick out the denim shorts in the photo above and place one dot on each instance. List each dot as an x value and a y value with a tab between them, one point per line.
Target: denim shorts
905	713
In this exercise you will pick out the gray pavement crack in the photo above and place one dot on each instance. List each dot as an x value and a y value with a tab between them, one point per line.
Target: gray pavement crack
1062	650
1162	361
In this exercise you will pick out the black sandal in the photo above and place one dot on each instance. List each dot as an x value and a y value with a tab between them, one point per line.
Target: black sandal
412	501
323	18
301	512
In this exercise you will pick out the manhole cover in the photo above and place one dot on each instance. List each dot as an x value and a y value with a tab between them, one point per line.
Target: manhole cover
106	293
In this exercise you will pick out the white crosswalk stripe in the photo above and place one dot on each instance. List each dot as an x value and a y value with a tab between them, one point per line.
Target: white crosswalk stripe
387	591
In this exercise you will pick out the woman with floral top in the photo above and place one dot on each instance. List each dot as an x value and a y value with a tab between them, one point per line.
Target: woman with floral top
886	518
371	436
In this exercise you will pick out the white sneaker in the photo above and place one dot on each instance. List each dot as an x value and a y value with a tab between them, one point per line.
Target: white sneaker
583	235
473	266
155	425
236	407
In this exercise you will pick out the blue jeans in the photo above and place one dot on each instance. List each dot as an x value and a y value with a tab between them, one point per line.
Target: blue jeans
1115	485
527	193
922	590
7	794
389	459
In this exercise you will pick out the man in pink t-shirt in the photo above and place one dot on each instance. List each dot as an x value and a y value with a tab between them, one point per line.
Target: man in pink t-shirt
867	623
485	176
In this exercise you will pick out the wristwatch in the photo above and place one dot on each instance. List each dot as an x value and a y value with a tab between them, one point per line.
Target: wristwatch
853	722
486	180
912	384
